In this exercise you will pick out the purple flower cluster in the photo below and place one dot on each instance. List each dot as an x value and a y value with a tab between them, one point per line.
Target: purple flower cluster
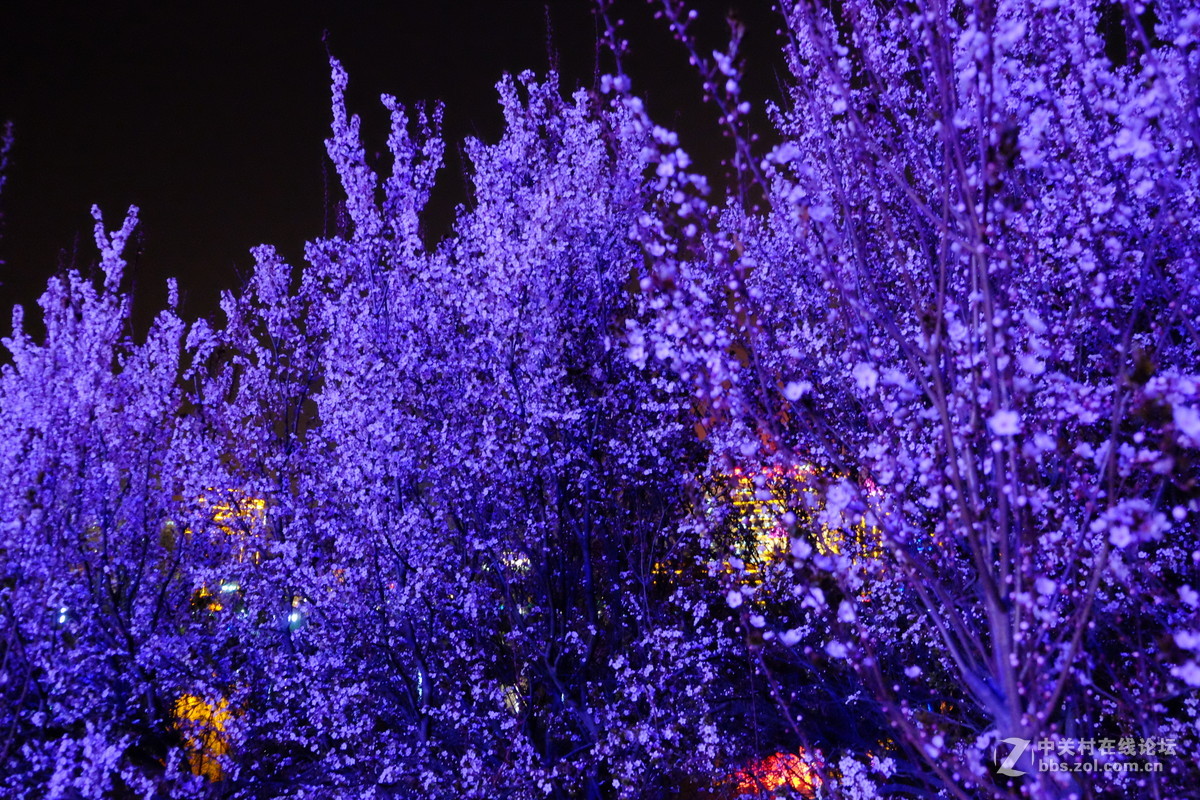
624	490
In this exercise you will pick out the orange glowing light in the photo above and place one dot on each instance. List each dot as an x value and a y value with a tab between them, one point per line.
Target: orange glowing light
238	516
203	727
775	772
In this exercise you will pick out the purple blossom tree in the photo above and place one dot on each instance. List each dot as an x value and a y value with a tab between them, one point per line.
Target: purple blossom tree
471	486
93	599
967	312
883	463
406	523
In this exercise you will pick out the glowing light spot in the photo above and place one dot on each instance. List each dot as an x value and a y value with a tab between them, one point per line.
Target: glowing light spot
776	772
203	727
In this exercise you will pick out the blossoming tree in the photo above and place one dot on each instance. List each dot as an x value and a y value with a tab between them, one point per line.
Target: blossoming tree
406	522
967	307
839	486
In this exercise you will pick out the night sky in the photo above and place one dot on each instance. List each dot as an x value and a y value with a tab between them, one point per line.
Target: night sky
211	116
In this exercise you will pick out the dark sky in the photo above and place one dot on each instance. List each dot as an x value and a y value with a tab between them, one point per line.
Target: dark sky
211	116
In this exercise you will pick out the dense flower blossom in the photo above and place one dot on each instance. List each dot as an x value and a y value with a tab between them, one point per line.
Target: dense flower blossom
970	302
623	489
